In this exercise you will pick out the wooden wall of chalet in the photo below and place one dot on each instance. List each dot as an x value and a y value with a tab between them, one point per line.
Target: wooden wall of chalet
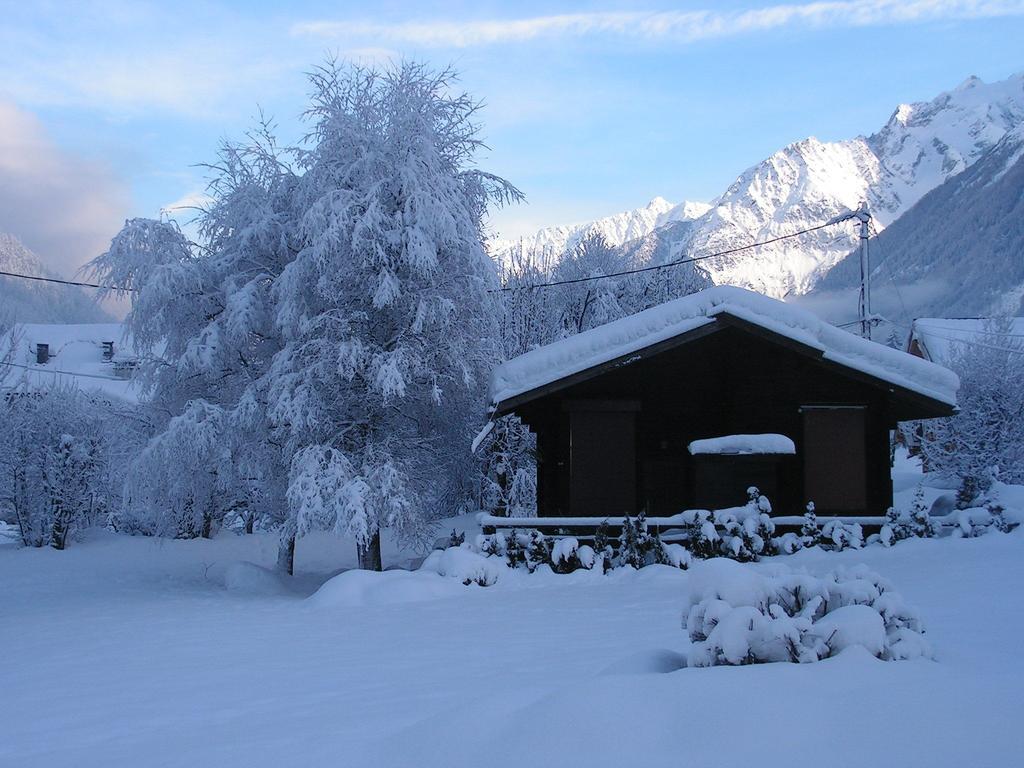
731	381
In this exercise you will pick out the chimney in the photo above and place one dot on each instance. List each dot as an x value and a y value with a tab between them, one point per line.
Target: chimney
108	350
42	354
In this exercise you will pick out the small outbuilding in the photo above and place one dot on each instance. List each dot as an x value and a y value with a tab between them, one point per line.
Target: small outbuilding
686	404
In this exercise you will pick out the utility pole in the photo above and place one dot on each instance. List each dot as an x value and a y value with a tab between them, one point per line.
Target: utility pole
864	303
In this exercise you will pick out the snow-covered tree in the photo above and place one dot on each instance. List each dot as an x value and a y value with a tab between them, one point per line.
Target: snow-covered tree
61	461
985	440
333	326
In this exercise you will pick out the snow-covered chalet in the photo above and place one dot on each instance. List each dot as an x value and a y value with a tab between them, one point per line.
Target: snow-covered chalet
687	404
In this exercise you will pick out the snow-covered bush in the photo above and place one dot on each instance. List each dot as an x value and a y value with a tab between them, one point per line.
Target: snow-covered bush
736	615
810	530
564	555
897	527
702	538
538	551
921	524
838	535
969	523
464	564
638	546
746	532
999	520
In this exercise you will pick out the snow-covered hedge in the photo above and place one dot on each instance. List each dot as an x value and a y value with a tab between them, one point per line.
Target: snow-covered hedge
736	615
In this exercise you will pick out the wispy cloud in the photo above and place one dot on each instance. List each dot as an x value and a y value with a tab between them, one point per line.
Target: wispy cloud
63	206
682	26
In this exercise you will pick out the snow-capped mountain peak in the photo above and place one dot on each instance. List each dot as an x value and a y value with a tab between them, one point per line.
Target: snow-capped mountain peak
922	145
617	229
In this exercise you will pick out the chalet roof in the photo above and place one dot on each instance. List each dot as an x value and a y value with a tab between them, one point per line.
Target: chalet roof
546	365
939	338
76	358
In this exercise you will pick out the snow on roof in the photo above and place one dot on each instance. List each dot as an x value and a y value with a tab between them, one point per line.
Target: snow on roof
586	350
940	337
76	358
745	444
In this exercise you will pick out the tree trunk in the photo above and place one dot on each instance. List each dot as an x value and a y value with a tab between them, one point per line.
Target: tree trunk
286	553
369	554
59	533
250	520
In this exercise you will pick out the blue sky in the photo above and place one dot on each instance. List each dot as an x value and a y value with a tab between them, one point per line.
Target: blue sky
592	107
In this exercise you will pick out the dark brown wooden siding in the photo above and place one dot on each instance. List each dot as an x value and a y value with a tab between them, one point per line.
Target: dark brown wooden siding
728	382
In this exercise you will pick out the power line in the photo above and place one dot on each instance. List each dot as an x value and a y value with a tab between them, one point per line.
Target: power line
690	260
61	373
983	345
64	282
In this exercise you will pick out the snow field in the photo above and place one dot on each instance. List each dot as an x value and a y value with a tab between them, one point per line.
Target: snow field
130	651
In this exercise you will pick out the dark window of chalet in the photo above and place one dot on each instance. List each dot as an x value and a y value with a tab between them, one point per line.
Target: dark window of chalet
834	449
602	471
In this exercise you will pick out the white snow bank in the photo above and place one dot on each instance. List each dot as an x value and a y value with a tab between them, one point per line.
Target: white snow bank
249	578
736	615
746	444
631	334
358	588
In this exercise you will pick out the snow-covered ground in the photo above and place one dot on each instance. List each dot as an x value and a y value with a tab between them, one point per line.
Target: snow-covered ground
131	651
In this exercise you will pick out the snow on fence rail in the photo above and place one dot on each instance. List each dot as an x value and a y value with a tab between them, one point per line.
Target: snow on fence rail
672	521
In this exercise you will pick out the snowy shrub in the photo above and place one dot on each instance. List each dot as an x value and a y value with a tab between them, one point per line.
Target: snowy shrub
969	523
746	532
515	550
897	527
788	543
603	543
564	555
630	553
999	519
838	535
638	546
921	524
702	538
464	564
810	530
538	551
587	556
735	615
677	556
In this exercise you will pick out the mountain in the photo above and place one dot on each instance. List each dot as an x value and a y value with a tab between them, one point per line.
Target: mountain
620	228
808	182
959	251
29	301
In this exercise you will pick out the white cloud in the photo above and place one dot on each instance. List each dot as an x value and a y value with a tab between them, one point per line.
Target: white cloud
63	207
682	26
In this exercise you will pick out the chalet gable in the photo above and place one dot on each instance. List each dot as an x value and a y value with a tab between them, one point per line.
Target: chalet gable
564	363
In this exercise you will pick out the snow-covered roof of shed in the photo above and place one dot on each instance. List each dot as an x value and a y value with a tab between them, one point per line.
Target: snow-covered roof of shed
620	338
941	337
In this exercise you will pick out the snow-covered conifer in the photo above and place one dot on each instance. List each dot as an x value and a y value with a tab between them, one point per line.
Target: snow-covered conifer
810	529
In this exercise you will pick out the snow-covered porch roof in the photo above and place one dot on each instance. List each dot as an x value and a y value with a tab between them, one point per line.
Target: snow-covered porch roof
632	338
